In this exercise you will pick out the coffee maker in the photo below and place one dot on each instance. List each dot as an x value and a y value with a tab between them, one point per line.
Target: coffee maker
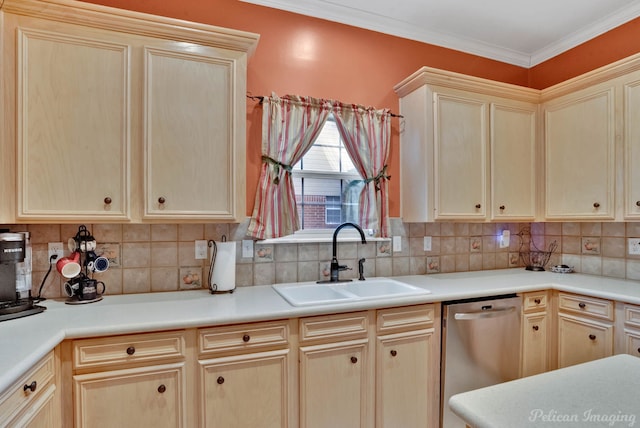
12	304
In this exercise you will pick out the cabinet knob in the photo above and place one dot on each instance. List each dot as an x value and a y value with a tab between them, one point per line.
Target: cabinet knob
394	352
161	200
638	203
592	336
501	207
162	389
131	350
582	305
246	338
220	380
354	360
596	205
478	206
107	201
536	301
30	387
536	328
638	350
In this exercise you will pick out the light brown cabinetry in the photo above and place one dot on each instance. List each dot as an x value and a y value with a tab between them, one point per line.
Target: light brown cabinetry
246	376
629	327
130	118
580	154
407	366
468	149
536	322
585	329
34	400
631	95
133	380
336	371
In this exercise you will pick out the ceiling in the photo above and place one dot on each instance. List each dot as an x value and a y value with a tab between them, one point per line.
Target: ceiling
524	33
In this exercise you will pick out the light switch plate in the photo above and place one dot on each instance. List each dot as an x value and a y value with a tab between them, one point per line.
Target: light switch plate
504	239
201	249
397	243
427	243
247	249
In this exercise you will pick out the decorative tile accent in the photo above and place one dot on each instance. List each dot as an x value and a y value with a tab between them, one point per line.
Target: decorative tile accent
110	250
590	245
263	253
190	278
475	244
514	260
384	249
433	264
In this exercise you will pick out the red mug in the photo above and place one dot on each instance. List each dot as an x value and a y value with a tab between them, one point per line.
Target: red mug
69	267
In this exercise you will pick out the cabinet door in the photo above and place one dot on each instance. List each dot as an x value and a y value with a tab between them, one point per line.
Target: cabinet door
581	340
632	342
407	380
141	397
460	147
534	344
72	121
580	139
632	150
42	413
194	111
246	391
334	386
513	161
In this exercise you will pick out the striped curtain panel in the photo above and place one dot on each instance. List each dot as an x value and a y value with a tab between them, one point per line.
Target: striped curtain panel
366	135
290	125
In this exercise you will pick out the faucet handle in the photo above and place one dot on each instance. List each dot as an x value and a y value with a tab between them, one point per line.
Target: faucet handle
344	267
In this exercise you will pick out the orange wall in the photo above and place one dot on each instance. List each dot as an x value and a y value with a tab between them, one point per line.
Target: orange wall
307	56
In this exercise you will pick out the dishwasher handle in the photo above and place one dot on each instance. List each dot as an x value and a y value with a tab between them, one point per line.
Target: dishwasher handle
486	313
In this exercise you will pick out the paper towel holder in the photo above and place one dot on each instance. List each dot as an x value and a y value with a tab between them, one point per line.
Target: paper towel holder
214	288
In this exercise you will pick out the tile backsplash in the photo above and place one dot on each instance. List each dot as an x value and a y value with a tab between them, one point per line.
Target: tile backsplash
161	257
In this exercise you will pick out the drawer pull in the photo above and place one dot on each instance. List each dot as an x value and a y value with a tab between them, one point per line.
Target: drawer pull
592	336
161	200
30	387
394	352
354	360
162	389
131	350
220	380
535	328
478	206
537	301
638	350
638	203
107	201
596	205
582	305
501	207
246	338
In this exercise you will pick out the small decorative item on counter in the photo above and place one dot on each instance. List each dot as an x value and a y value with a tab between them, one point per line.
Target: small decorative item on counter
562	269
79	267
533	258
222	271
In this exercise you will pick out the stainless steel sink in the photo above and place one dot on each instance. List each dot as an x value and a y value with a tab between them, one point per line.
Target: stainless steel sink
310	293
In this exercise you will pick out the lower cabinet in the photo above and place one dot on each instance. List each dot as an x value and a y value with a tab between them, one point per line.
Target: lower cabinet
407	367
34	400
630	328
585	329
246	376
130	381
336	371
535	333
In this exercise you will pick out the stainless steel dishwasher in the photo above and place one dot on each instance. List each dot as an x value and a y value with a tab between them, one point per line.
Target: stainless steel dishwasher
480	347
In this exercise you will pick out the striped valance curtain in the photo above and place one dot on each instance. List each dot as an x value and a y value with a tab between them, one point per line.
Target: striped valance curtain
290	125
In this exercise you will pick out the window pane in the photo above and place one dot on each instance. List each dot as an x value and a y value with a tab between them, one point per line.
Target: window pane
323	203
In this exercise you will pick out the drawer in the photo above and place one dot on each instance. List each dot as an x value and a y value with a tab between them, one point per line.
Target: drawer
632	315
591	306
334	327
536	301
247	337
19	395
135	348
407	318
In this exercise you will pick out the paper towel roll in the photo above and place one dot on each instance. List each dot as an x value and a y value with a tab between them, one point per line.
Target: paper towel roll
223	278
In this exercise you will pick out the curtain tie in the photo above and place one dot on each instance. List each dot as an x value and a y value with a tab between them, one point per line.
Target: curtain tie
382	175
277	165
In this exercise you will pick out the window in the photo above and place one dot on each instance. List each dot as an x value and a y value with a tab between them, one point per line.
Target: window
327	184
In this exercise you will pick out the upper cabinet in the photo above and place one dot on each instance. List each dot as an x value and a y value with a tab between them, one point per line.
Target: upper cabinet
580	154
632	146
122	116
468	148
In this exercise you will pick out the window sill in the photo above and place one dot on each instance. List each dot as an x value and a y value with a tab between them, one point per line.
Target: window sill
311	238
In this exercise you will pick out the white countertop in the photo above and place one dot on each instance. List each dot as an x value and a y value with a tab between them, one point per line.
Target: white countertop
26	340
600	393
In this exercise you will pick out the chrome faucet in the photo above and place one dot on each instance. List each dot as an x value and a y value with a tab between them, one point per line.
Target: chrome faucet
335	266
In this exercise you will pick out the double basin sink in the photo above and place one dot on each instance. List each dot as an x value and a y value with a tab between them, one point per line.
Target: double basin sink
311	293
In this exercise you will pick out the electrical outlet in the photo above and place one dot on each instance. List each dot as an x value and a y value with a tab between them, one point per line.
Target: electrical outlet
247	249
397	244
504	239
634	246
57	249
201	249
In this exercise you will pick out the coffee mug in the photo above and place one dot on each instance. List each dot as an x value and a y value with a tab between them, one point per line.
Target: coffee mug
69	267
84	288
81	244
96	263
